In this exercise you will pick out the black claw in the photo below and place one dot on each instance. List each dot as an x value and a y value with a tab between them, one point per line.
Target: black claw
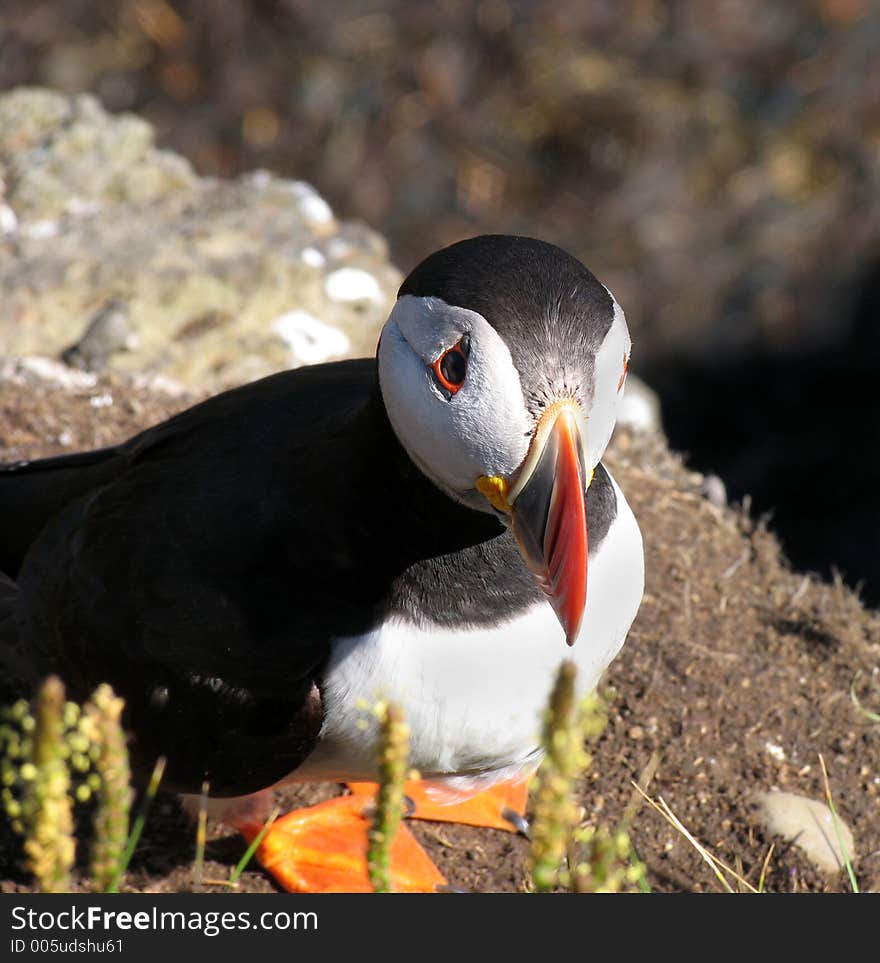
409	807
519	823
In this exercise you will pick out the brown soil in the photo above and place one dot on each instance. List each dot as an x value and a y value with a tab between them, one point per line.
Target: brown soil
732	656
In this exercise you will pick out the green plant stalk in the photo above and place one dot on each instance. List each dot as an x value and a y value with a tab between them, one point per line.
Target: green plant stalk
201	836
16	749
111	818
605	862
762	879
393	753
835	819
555	811
638	866
254	846
867	713
139	823
50	847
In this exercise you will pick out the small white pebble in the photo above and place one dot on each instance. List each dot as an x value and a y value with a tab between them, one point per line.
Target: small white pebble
809	824
8	219
310	340
315	209
312	206
338	248
166	385
714	490
639	408
79	207
259	179
636	412
348	285
313	257
101	401
48	369
40	229
775	750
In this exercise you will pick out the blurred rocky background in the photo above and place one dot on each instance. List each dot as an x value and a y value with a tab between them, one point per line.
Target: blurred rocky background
715	163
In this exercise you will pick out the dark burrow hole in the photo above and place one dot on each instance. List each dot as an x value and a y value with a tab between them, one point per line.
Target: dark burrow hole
799	434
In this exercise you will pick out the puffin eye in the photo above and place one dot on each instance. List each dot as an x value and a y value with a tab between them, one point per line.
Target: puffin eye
450	369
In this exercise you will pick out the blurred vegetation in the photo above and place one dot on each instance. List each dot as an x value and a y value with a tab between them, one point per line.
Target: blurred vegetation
712	161
53	754
567	852
389	803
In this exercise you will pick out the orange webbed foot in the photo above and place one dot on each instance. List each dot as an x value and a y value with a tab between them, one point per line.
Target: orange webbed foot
323	849
502	806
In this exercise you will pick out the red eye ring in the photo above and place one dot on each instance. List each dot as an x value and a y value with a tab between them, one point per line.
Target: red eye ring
450	369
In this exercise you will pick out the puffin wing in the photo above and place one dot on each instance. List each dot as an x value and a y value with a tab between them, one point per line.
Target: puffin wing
202	574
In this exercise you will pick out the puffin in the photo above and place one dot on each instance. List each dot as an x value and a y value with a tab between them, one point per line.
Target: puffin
432	527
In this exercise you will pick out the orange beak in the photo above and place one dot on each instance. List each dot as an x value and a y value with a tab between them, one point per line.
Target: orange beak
548	513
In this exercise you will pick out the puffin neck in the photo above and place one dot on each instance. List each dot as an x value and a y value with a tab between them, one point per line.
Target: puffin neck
427	521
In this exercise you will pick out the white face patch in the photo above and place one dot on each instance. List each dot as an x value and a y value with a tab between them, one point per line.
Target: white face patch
611	360
484	428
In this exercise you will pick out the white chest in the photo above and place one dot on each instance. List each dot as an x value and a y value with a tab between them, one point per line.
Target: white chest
474	698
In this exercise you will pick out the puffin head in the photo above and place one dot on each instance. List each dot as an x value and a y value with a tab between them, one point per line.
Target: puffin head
501	367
